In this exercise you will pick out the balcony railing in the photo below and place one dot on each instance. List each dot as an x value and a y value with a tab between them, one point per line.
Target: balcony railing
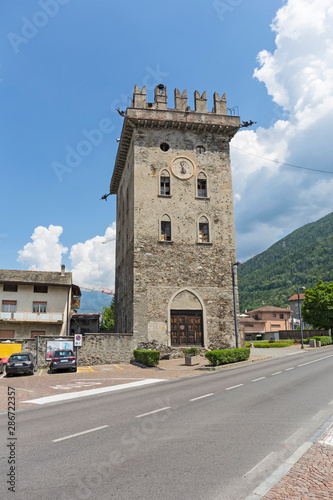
25	316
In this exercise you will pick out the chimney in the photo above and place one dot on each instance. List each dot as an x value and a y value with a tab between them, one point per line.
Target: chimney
63	267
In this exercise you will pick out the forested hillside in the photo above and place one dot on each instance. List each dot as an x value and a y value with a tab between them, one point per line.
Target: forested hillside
300	259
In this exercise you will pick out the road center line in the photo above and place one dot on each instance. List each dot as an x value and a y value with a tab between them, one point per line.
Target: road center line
256	379
79	434
292	368
233	387
200	397
151	412
276	373
315	360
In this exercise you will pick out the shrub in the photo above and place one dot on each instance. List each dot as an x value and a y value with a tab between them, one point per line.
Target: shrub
225	356
191	351
325	340
146	357
273	344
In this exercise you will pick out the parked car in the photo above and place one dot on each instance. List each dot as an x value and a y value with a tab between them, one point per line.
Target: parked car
2	364
63	359
20	362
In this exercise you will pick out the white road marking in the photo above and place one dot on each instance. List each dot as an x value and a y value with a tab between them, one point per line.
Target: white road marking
91	392
319	414
256	379
154	411
315	361
260	463
328	439
79	434
233	387
295	435
200	397
292	368
76	384
276	373
41	371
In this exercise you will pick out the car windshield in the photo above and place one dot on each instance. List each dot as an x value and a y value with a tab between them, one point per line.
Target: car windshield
61	354
19	357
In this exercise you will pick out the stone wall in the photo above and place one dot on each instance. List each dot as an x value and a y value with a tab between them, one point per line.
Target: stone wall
97	348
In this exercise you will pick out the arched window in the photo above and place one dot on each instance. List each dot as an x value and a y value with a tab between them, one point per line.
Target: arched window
204	230
165	183
165	228
202	185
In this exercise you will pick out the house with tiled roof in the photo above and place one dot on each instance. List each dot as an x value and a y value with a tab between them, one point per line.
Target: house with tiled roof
35	303
265	322
293	304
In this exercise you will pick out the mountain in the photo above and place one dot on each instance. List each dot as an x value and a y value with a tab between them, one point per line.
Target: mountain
93	302
300	259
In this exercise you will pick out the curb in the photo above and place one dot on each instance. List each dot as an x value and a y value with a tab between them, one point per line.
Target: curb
286	466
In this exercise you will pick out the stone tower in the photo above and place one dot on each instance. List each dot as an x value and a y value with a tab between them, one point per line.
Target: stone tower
175	221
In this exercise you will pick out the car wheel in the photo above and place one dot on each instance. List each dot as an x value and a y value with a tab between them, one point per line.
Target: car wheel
75	369
8	374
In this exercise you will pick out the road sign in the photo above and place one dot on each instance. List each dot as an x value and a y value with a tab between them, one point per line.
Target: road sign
78	339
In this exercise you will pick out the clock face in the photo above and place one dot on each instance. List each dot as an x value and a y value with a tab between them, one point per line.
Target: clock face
182	167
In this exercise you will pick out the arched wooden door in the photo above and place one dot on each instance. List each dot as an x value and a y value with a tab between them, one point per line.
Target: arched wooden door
186	328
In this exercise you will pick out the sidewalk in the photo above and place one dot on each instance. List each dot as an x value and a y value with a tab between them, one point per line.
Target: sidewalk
312	475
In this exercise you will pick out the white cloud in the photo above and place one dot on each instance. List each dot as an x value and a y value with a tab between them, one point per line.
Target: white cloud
272	200
94	262
45	251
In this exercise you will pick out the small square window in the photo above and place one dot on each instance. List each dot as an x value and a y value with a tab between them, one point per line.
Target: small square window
9	287
8	305
39	307
40	288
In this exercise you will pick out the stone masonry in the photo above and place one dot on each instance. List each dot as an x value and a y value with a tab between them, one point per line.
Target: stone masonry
159	278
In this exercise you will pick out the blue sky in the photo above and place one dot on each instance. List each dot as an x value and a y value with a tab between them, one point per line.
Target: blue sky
65	65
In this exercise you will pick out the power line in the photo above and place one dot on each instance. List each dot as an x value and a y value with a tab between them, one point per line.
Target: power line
282	163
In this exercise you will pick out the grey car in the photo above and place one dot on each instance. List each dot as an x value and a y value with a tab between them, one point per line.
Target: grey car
63	359
20	362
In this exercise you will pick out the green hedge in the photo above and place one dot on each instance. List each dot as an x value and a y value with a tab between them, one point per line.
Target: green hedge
272	344
225	356
325	340
146	357
257	342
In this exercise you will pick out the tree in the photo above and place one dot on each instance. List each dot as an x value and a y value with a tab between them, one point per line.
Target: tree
317	308
107	321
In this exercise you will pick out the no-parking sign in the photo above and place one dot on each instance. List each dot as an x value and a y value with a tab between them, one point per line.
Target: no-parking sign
78	339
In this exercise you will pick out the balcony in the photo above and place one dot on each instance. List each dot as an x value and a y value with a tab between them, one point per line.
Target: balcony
25	316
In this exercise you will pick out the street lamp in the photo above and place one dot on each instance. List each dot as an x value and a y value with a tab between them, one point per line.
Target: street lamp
233	265
300	314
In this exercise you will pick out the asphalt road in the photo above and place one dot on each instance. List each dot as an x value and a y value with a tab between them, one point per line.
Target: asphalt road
212	436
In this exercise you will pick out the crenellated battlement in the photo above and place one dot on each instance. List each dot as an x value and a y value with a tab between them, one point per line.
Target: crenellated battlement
180	101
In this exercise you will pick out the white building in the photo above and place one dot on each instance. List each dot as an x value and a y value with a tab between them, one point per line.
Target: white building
36	303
